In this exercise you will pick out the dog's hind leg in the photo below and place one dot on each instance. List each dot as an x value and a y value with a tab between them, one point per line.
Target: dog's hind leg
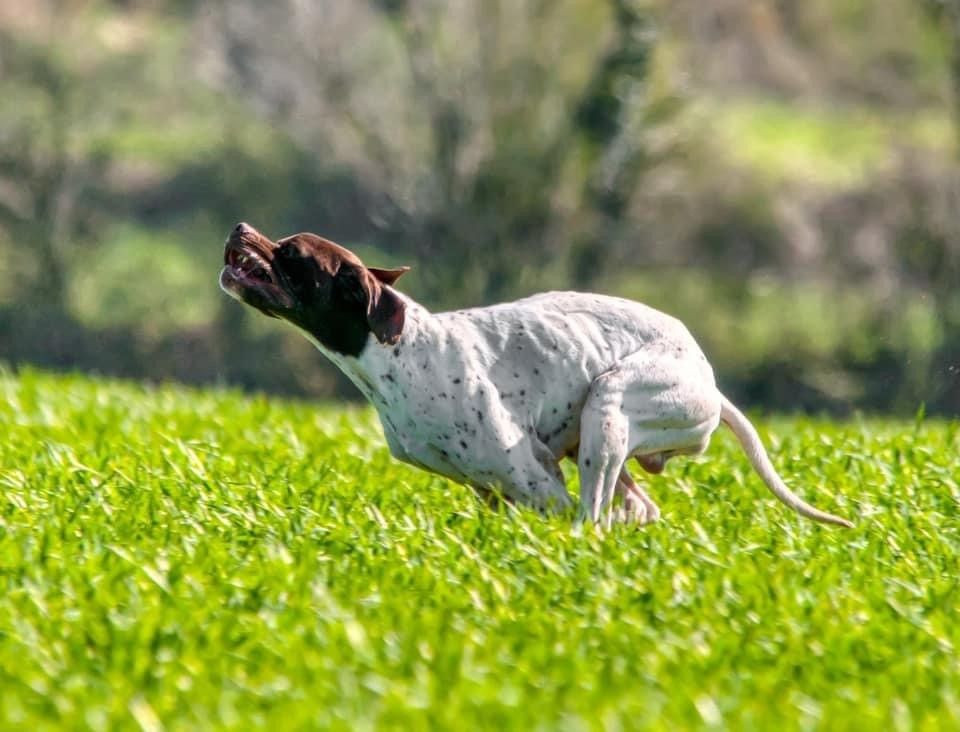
652	404
638	507
604	437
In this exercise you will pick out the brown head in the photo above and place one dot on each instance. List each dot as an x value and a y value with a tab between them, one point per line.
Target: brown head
315	284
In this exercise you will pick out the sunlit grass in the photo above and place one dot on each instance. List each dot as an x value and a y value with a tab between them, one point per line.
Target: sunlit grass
201	559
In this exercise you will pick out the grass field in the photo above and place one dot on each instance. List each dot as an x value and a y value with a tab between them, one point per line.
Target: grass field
180	559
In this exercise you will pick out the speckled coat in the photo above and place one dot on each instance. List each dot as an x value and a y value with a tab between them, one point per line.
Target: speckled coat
495	397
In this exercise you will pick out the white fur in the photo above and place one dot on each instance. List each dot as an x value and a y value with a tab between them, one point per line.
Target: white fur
495	397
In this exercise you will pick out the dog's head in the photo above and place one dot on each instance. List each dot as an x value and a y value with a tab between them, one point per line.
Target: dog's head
315	284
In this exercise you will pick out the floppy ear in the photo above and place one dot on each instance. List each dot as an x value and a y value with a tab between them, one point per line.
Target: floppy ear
388	276
386	313
385	309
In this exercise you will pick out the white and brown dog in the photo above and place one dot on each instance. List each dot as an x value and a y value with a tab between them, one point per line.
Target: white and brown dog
495	397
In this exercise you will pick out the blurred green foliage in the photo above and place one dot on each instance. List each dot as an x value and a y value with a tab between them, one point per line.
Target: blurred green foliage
781	177
147	277
820	340
826	146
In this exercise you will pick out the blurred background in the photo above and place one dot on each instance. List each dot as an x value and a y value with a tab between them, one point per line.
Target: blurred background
781	174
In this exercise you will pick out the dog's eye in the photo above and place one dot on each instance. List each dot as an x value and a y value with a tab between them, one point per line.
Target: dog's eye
289	256
301	272
287	251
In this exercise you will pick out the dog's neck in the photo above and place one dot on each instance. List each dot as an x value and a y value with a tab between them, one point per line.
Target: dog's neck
380	363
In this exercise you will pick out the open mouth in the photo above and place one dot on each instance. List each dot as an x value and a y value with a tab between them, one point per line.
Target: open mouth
248	276
247	267
248	273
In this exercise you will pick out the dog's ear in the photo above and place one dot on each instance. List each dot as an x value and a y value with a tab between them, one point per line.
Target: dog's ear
388	276
385	309
386	313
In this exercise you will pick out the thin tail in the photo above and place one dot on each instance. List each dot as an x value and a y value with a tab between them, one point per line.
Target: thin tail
750	441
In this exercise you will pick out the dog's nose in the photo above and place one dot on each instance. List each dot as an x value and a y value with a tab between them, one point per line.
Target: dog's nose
242	228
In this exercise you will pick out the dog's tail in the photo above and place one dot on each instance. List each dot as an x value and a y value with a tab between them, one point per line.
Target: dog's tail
750	441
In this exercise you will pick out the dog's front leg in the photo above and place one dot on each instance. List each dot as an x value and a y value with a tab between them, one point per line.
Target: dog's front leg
522	467
490	497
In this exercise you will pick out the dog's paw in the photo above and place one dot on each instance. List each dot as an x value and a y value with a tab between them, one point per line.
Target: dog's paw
638	510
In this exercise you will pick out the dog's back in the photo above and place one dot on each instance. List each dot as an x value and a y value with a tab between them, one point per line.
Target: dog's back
543	352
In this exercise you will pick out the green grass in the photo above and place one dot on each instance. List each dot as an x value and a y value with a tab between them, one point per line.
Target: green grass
199	559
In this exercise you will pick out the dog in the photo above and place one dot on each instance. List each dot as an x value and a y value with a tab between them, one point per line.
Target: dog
495	397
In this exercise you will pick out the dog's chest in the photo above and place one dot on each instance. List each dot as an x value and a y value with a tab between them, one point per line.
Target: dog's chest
468	385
